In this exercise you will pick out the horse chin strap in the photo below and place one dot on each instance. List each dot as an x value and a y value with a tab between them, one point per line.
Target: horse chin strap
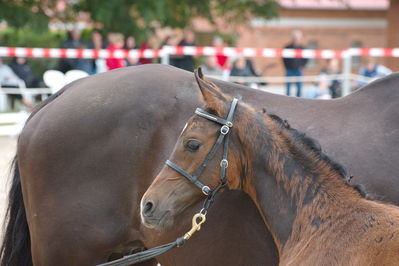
200	217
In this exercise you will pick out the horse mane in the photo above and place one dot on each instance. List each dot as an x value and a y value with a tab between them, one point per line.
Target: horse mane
314	146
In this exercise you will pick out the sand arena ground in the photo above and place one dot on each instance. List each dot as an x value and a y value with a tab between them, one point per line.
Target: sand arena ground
7	152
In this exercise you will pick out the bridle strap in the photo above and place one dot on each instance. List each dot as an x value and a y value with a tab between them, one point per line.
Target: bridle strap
223	137
193	179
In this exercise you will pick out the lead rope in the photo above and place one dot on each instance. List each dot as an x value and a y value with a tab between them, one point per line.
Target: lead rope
197	221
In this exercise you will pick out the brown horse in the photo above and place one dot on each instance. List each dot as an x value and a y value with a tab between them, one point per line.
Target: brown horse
314	215
87	155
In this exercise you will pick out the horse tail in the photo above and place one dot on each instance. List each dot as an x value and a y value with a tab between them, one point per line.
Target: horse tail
15	249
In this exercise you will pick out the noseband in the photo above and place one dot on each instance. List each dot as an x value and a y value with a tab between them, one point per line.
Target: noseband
223	138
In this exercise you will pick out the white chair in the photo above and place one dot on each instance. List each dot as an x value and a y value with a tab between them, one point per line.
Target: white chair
73	75
54	79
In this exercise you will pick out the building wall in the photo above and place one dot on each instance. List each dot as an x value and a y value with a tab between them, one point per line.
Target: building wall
393	32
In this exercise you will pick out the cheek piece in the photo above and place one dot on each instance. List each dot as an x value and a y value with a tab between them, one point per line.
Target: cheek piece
200	217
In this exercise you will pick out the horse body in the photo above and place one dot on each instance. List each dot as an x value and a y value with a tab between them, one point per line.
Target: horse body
366	233
304	198
87	155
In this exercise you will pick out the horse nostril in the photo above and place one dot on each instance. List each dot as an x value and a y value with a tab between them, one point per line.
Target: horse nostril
148	208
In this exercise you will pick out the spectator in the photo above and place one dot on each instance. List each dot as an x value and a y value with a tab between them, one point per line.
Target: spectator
74	42
130	43
222	60
241	68
24	72
115	43
8	79
334	86
294	66
373	70
186	62
7	76
172	38
97	42
142	61
211	67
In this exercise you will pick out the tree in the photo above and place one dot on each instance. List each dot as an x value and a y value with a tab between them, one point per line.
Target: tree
19	13
136	17
34	14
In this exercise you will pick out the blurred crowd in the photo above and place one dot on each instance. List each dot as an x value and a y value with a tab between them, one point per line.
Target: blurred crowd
18	72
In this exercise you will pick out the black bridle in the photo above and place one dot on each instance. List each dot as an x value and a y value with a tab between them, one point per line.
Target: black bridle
224	163
223	138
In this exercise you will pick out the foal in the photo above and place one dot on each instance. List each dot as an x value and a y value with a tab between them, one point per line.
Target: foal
315	217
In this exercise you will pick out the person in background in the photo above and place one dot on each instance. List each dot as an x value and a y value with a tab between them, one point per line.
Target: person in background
24	72
373	70
8	79
186	62
116	42
97	42
294	66
143	61
74	41
171	38
222	60
130	43
240	69
335	85
211	67
7	76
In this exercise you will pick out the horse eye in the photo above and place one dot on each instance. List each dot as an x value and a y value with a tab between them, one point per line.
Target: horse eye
193	145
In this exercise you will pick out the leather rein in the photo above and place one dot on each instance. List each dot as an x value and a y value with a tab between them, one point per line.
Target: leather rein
200	217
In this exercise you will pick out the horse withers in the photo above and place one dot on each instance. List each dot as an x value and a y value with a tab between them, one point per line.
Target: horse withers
305	199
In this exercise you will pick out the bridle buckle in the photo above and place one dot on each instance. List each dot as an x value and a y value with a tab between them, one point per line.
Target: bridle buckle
224	163
224	129
206	190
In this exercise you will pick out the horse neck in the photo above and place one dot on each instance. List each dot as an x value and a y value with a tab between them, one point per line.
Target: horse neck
287	181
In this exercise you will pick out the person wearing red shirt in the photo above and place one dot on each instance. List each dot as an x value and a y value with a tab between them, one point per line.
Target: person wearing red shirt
116	42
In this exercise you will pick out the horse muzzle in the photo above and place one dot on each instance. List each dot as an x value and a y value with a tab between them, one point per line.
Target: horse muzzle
152	217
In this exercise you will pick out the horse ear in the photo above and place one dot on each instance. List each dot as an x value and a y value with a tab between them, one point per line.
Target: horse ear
213	97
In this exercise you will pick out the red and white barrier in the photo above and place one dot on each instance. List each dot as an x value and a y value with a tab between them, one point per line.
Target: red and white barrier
194	50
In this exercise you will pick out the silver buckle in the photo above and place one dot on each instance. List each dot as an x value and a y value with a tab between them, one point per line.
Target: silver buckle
206	190
229	124
224	163
224	129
